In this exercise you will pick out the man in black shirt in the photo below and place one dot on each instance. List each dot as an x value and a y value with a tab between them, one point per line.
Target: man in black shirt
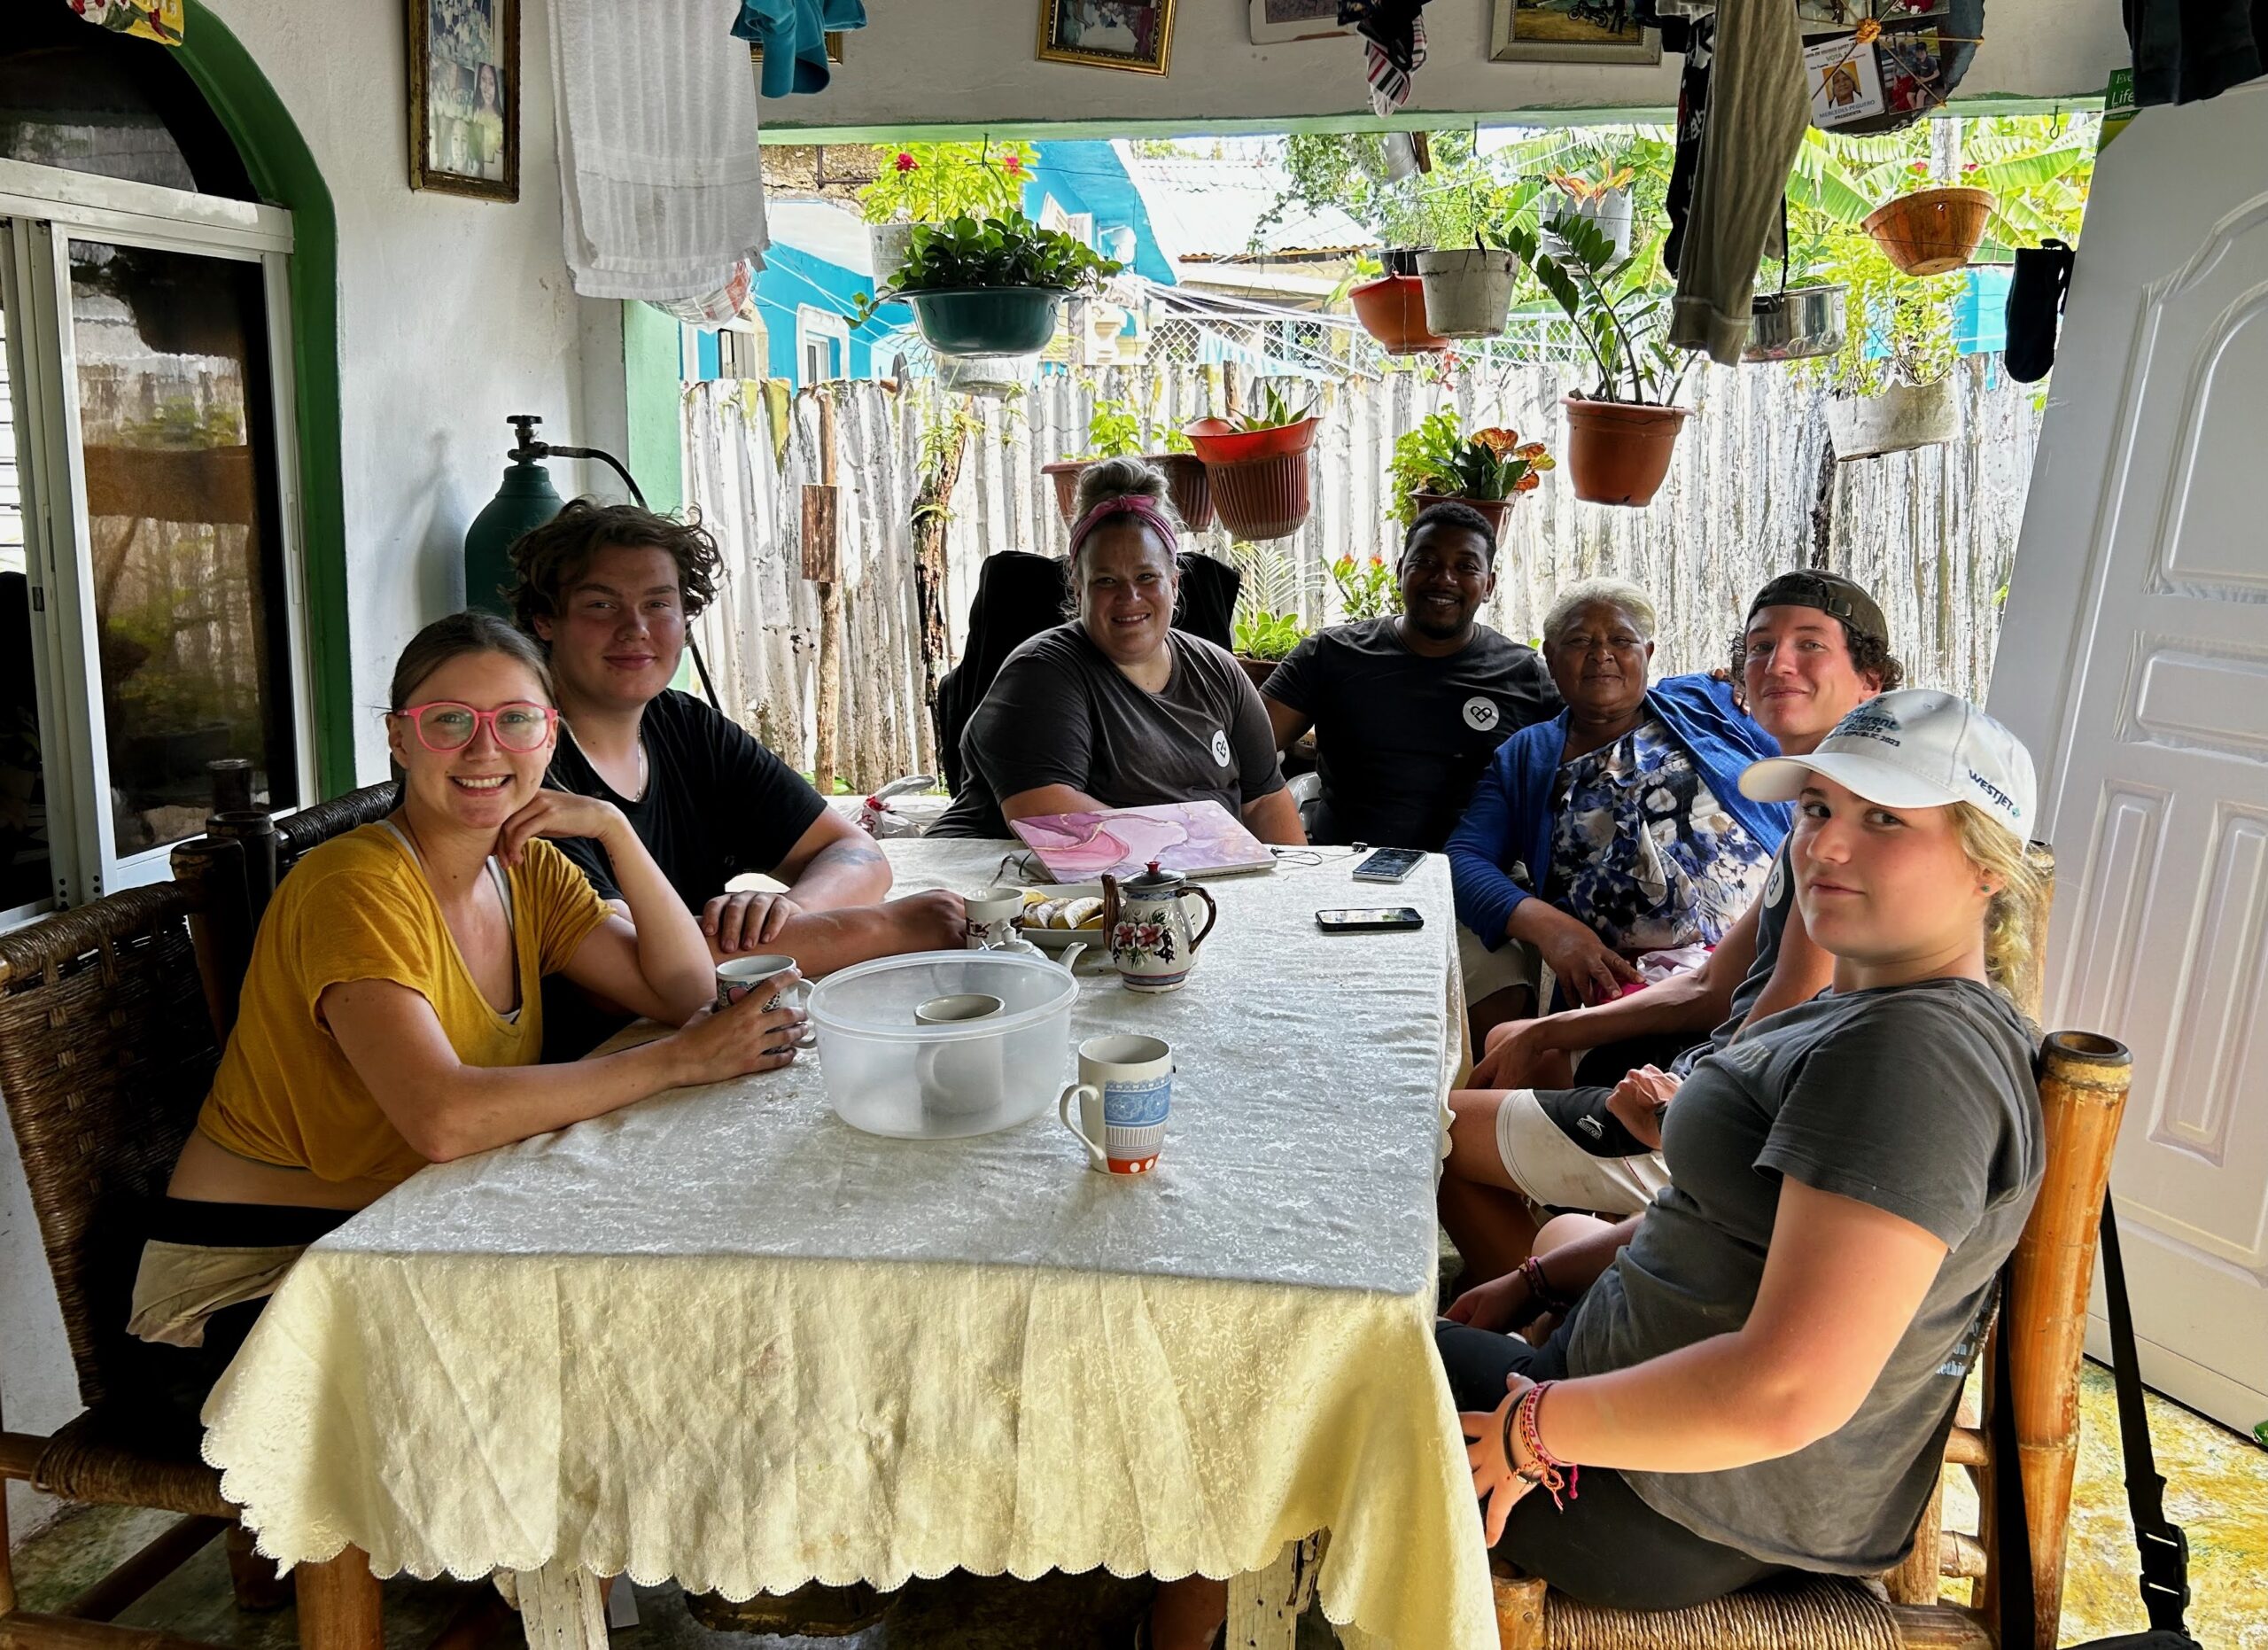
1407	709
609	590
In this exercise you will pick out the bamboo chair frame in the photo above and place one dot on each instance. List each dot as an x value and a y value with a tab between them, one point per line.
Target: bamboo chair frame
109	1034
2083	1085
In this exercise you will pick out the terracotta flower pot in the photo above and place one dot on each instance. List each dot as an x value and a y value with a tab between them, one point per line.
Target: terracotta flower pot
1259	669
1217	441
1618	452
1185	485
1391	310
1260	498
1933	231
1493	510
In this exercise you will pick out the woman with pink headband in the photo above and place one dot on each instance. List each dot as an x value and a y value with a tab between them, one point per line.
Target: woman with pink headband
1116	708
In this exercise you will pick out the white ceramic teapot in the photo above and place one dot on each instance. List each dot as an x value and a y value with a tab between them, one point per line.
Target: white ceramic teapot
1152	942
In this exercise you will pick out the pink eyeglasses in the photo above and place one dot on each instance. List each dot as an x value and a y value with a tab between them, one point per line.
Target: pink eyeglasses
446	725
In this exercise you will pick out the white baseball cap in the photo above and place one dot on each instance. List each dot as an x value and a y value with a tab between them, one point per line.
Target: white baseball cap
1913	747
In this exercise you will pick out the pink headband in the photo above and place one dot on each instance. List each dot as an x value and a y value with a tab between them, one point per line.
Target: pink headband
1125	505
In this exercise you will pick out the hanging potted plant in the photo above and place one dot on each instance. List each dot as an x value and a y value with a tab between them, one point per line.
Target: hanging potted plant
931	183
1257	466
1115	430
1391	306
994	287
1604	203
1622	435
1932	228
1890	387
1437	464
1468	289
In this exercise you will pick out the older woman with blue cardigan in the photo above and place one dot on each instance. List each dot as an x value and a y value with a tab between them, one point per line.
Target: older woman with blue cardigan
1617	828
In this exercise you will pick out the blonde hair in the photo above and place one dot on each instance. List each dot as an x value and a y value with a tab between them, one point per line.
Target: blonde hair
1997	852
1121	477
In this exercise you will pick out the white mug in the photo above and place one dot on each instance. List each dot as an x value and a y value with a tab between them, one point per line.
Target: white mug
963	1076
749	976
989	908
955	1010
1124	1093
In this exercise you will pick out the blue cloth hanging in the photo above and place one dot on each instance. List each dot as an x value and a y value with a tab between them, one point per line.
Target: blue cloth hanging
792	34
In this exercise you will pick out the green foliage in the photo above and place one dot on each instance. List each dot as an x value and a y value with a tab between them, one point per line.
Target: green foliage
1269	635
1437	457
1366	589
1274	412
1621	317
1270	582
997	252
930	182
1114	430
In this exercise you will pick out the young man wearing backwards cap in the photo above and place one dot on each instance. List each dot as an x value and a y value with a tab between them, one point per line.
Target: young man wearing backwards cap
1533	1128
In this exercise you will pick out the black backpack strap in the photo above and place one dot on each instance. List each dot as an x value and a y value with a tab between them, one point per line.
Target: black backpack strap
2165	1549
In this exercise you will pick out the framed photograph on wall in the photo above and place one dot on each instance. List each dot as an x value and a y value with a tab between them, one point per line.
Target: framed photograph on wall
1136	34
1569	31
464	97
1275	21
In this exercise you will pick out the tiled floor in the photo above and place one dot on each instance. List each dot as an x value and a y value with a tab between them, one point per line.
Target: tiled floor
2218	1488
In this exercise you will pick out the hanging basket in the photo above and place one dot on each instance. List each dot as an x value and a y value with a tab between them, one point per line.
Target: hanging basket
1391	310
987	320
1932	231
1185	485
1260	498
1618	452
1066	477
1217	441
887	246
1901	418
1492	510
1468	291
1796	324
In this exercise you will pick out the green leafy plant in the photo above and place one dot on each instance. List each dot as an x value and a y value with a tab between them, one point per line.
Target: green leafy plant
1114	430
1177	441
1272	584
930	182
1366	589
1436	457
1275	411
1262	635
965	252
1621	318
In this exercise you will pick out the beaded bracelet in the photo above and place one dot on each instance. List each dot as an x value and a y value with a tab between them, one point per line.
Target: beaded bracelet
1547	1469
1539	1287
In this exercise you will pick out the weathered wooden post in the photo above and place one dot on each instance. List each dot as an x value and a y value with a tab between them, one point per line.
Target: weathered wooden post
823	567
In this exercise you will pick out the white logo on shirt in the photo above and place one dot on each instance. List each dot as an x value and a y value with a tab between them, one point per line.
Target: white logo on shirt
1479	714
1220	747
1778	884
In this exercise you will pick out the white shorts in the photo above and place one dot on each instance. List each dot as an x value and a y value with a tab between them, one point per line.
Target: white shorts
1553	1170
1487	972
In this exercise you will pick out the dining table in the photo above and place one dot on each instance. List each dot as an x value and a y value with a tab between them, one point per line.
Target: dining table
721	1337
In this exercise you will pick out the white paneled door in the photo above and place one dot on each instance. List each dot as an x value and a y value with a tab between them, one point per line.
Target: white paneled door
2134	659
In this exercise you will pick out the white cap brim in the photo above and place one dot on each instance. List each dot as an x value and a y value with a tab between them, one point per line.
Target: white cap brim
1783	778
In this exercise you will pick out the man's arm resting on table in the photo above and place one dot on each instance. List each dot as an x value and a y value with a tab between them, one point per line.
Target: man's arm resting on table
833	864
1275	817
1049	799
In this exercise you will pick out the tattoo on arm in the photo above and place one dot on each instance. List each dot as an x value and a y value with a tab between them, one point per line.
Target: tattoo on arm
843	854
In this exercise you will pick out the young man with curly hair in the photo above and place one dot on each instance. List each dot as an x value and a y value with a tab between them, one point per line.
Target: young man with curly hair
609	590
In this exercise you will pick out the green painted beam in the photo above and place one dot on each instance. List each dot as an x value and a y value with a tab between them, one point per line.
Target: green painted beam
285	172
652	394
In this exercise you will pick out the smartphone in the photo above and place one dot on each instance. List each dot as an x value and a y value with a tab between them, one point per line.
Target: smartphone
1373	920
1389	865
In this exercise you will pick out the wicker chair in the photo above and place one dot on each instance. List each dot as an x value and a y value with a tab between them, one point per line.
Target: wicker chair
106	1050
2083	1082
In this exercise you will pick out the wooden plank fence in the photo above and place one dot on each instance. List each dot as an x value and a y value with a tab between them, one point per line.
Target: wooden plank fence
1933	534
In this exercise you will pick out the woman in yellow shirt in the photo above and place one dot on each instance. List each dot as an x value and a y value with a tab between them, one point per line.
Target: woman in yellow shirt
393	1014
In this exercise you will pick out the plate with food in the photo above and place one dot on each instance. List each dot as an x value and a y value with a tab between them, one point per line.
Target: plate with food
1062	914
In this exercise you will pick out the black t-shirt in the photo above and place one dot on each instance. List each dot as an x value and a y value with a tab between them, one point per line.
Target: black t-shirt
717	802
1061	714
1401	739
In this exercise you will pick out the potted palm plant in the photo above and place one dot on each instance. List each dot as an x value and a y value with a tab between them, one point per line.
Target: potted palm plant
931	183
1622	435
1436	463
1257	465
994	287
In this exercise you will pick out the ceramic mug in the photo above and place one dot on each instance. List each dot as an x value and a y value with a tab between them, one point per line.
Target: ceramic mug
1124	1091
966	1076
751	977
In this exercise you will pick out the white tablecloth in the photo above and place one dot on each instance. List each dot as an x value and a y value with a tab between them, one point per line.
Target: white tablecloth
722	1337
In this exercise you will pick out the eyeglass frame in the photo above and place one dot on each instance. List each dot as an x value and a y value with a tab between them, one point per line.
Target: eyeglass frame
415	714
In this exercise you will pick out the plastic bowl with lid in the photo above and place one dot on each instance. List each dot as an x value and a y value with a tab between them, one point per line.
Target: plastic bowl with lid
886	1073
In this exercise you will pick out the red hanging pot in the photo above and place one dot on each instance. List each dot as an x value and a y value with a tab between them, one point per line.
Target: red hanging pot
1391	310
1260	498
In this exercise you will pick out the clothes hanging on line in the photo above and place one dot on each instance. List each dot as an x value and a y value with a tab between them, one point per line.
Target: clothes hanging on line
1393	36
792	34
661	177
2187	50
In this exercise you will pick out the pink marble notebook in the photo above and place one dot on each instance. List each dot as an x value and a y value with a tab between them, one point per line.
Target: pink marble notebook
1195	839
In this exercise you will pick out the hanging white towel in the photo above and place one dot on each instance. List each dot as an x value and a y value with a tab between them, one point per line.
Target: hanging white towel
661	180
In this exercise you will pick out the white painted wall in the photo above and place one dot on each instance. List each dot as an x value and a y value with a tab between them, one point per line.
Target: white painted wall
974	61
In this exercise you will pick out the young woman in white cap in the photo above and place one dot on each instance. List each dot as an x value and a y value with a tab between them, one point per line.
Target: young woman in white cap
1757	1374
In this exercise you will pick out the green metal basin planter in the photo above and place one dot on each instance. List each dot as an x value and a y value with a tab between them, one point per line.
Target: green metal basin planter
987	320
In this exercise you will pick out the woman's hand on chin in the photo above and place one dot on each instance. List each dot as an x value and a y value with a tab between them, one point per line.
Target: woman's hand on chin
558	814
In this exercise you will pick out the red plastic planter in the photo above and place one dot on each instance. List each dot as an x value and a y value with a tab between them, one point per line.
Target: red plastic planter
1218	441
1260	498
1391	310
1493	510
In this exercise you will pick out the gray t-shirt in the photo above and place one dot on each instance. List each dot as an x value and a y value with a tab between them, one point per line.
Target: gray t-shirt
1918	1100
1779	898
1061	714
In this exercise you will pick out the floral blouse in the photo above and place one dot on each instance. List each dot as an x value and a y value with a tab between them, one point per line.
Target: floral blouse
1643	851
